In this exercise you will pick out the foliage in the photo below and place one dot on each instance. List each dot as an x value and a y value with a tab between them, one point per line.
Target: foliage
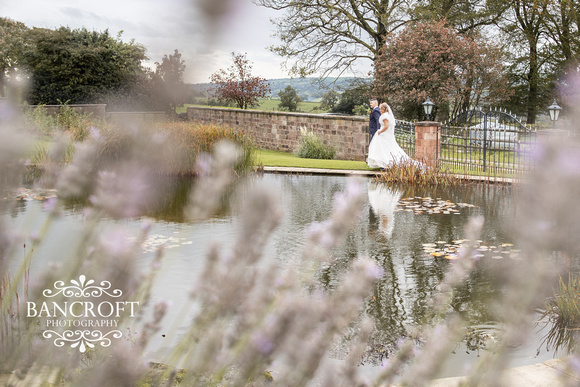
526	27
358	94
311	147
12	43
323	37
236	84
465	17
430	60
361	110
168	82
193	139
69	121
79	66
289	99
329	100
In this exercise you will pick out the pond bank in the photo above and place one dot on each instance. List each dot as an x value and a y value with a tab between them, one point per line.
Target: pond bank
349	172
551	373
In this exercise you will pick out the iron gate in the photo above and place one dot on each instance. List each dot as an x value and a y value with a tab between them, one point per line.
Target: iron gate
495	142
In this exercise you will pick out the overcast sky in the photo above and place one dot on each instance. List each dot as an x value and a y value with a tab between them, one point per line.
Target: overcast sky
165	25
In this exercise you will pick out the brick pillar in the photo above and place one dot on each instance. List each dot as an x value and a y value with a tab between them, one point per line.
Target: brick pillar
427	142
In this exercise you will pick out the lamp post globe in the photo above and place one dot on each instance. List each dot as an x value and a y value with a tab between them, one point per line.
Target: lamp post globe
554	111
428	108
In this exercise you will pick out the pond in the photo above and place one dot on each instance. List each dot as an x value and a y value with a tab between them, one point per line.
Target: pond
411	233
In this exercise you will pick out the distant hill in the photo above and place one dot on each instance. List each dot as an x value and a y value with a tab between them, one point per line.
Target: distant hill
309	89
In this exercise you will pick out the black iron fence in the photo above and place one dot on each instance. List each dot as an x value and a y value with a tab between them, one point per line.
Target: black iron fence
405	135
475	142
493	142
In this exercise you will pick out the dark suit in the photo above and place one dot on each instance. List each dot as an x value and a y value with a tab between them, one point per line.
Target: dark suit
374	123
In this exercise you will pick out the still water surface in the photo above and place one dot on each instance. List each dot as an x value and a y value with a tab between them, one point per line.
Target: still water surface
390	230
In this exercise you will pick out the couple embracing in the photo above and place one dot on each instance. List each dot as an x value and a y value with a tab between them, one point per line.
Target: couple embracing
384	151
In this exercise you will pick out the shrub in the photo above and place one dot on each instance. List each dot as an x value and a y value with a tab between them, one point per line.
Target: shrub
311	147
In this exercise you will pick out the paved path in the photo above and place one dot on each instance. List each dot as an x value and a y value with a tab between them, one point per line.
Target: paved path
551	373
366	173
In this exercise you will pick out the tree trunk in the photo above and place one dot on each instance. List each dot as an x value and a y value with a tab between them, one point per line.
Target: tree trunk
533	76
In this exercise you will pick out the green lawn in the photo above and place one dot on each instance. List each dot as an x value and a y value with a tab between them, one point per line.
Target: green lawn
270	158
270	105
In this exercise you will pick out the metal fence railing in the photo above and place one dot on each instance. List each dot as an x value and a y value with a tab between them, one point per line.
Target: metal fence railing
495	152
405	135
492	143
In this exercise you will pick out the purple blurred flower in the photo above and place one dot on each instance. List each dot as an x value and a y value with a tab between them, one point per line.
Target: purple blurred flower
262	343
116	242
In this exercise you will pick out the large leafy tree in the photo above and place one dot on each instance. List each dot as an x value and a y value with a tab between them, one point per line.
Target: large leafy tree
168	79
431	60
464	16
79	66
356	95
329	36
289	99
526	26
12	42
238	85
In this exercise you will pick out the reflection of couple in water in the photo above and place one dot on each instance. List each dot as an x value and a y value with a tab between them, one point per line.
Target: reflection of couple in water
383	201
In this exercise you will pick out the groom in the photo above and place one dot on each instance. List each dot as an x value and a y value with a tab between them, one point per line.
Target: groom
374	123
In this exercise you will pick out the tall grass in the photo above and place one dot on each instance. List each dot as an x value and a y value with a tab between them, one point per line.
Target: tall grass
194	139
69	121
312	147
562	312
415	174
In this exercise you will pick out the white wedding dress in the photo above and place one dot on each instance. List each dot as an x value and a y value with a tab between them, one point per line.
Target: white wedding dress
383	149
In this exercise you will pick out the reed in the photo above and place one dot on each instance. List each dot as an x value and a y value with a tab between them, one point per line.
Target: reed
562	312
414	174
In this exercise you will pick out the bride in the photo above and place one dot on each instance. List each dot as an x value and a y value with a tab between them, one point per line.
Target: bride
383	149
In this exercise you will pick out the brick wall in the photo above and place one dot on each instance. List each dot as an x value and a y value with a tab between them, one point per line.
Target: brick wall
281	131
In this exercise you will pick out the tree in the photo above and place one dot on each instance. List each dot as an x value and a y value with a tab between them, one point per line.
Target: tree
464	16
326	36
357	94
236	84
527	21
431	60
168	78
79	66
289	99
329	100
12	43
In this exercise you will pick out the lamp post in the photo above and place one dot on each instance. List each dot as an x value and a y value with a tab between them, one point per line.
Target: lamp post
554	110
428	108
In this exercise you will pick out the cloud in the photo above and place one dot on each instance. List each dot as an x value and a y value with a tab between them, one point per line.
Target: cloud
162	27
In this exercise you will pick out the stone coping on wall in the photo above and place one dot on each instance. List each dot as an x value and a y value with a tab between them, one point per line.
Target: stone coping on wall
278	113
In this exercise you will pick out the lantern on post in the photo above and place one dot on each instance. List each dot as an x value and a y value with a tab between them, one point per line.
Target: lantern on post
554	110
428	108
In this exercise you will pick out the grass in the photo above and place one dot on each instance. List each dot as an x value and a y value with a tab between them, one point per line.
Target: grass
563	311
269	105
273	158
